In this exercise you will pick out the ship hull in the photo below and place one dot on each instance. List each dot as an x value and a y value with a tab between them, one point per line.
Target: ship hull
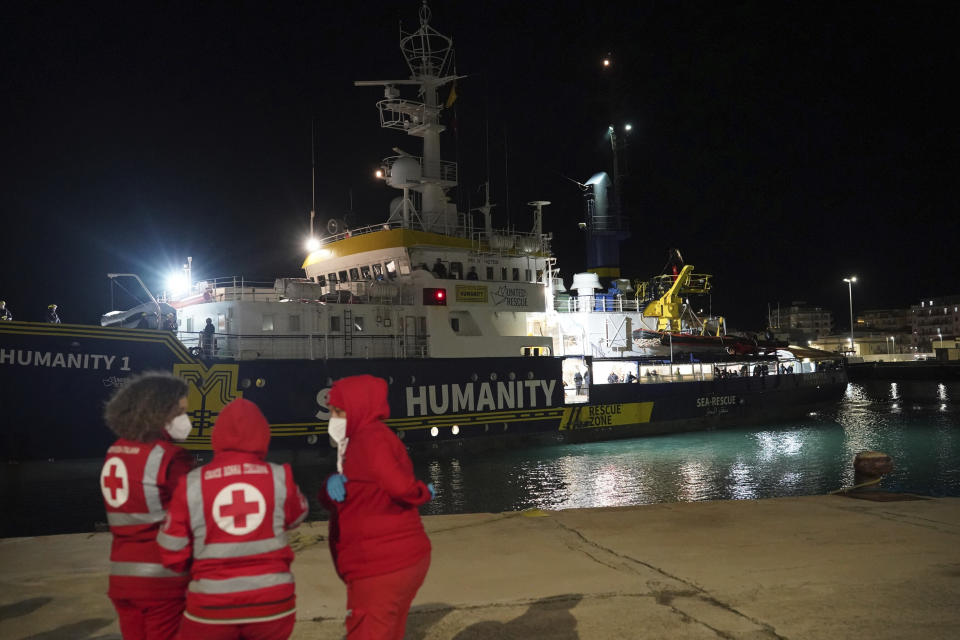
56	378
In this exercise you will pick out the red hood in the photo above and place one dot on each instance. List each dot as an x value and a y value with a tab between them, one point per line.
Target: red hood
241	427
364	398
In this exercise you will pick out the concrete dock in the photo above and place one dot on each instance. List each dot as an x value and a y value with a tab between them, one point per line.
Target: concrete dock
813	567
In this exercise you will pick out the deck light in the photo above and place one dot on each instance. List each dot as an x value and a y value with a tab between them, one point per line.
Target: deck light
312	244
177	283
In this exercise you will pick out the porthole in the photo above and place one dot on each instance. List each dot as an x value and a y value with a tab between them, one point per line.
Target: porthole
493	376
474	377
261	382
529	375
312	438
455	430
512	376
245	383
401	434
434	432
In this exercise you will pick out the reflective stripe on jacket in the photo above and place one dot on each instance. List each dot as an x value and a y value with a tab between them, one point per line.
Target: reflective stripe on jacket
228	523
137	481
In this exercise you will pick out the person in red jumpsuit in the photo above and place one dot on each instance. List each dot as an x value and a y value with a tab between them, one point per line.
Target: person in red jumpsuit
379	547
139	475
227	526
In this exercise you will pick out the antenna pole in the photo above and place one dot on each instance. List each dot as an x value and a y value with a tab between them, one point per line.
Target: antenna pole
313	176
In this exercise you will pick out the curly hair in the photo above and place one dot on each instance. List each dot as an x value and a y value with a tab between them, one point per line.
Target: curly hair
142	407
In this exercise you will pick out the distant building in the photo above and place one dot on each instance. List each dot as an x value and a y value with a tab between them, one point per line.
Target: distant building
935	320
865	343
801	323
886	320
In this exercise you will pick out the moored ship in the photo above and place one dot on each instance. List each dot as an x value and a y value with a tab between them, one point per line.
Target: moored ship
472	327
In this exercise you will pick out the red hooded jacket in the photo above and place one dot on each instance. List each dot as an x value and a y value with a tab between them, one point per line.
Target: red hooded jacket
227	525
377	528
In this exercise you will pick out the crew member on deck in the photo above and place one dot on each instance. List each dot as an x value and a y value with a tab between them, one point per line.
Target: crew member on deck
52	316
139	476
439	269
4	311
472	274
207	338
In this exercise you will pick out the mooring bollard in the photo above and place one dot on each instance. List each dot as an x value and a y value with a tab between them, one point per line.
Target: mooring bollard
869	467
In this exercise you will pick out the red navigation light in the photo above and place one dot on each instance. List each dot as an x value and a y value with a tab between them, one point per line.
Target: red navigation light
435	297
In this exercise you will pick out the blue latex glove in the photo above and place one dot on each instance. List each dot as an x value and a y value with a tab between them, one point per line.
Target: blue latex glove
433	492
335	487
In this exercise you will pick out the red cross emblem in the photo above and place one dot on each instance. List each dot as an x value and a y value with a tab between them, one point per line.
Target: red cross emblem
239	508
114	483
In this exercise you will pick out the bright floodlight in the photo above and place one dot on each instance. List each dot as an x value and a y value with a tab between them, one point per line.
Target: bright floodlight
312	244
378	173
177	283
627	127
606	62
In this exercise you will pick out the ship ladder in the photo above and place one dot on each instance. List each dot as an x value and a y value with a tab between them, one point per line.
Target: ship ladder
347	332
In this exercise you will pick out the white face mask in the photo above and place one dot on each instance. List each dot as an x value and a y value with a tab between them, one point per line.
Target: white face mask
179	428
337	428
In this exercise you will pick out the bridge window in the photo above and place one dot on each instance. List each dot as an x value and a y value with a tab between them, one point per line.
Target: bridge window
516	274
332	279
320	280
365	272
354	275
456	270
391	267
267	322
377	271
342	276
503	273
489	273
358	323
526	275
334	323
294	323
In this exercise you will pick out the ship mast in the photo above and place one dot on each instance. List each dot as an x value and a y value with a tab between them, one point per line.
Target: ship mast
428	55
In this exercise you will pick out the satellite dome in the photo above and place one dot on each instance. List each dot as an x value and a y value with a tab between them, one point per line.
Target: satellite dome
404	171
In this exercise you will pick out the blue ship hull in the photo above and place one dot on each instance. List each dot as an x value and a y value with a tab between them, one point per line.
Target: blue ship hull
56	379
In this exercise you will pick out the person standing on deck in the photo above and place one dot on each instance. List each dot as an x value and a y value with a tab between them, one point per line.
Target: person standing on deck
207	339
4	311
52	316
227	527
139	476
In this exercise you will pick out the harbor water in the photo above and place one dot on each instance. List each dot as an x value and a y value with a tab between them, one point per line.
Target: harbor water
916	422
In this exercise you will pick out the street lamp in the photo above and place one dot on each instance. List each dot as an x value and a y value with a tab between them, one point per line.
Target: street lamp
940	335
893	343
850	282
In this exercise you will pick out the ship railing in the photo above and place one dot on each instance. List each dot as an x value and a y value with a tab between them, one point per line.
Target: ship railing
597	303
406	115
229	346
665	371
230	289
507	242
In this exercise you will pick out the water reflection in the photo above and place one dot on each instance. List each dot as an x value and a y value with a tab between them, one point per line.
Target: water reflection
913	421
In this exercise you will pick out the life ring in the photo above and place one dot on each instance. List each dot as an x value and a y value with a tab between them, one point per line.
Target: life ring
194	351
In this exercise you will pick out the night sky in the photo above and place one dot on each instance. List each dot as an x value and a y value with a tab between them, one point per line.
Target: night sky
779	145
